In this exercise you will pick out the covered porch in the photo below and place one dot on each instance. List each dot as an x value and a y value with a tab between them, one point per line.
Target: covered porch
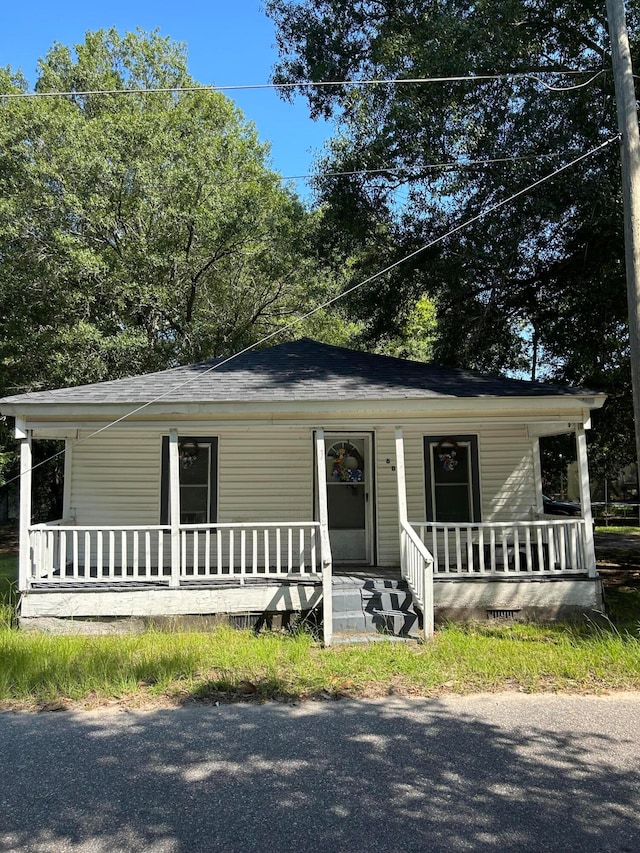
172	569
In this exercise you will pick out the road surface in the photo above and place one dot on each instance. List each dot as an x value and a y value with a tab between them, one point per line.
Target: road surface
503	772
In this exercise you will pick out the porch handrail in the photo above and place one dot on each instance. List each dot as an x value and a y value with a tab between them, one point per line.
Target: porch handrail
416	565
58	522
543	546
496	524
227	524
327	585
70	528
116	553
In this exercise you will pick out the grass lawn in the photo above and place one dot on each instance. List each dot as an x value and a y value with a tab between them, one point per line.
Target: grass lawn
628	530
46	671
226	665
8	578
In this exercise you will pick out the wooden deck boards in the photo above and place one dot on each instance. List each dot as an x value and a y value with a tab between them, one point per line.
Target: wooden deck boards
341	575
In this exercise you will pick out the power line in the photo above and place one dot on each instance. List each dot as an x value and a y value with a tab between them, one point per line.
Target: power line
452	164
462	78
328	302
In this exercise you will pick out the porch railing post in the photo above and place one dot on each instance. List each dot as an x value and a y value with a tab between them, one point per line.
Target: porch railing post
323	518
174	506
402	496
24	559
427	616
585	500
537	475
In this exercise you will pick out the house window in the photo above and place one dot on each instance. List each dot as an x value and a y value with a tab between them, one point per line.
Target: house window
198	466
452	479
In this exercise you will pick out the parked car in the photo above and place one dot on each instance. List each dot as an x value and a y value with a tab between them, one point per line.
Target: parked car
552	507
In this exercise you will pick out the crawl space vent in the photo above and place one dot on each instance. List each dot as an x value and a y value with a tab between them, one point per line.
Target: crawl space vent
502	614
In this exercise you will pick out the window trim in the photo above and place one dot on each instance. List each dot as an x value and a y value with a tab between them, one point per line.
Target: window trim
212	441
429	441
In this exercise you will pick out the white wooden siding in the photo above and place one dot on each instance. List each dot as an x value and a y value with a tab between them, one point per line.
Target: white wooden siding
116	478
506	474
266	474
387	496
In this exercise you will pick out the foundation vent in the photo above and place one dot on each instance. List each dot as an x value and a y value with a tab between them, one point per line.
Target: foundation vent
503	614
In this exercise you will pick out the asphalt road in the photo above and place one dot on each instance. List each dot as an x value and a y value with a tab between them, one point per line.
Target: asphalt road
500	772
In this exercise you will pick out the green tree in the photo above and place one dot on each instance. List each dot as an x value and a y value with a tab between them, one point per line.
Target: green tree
137	230
140	230
536	287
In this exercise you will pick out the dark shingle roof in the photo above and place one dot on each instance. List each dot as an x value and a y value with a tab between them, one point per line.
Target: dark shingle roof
298	370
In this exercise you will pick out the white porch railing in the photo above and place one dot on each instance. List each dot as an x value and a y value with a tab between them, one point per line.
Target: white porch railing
257	549
416	566
548	546
63	553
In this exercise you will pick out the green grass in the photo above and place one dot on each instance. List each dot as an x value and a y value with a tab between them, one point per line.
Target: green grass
8	570
41	670
227	665
628	530
8	588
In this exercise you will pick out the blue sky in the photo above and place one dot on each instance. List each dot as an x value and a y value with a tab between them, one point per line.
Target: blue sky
229	42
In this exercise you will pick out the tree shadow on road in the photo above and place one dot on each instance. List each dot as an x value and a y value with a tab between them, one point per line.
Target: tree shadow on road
392	775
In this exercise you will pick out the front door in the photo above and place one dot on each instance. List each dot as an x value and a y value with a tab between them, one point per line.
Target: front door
348	479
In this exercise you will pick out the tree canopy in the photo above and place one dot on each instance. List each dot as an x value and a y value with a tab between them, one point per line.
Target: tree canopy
137	230
537	287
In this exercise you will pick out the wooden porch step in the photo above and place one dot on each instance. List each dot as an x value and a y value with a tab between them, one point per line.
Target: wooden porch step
373	607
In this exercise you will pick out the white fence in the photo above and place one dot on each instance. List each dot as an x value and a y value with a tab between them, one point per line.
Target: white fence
63	553
500	548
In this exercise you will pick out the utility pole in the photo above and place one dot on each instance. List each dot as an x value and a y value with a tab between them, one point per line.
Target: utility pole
630	156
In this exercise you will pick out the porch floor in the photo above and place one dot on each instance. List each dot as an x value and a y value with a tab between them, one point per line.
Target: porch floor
227	581
346	574
342	575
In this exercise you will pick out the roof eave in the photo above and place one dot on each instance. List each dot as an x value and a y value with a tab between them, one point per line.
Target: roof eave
434	405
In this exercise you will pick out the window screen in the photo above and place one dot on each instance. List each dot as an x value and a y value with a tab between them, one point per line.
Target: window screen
198	479
451	475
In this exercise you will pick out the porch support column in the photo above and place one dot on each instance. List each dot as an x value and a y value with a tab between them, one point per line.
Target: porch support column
66	480
323	518
401	479
427	565
537	475
585	500
174	506
26	462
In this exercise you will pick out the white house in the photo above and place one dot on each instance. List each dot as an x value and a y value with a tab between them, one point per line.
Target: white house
262	483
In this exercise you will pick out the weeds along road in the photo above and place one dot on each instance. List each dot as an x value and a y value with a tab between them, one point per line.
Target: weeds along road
484	773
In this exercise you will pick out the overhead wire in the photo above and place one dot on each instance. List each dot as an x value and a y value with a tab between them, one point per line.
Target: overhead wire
382	170
303	84
225	360
451	164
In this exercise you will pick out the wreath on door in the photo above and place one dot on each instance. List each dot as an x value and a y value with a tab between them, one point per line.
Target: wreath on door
447	451
188	453
348	464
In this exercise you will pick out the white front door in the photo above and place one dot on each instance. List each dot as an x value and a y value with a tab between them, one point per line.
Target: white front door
348	480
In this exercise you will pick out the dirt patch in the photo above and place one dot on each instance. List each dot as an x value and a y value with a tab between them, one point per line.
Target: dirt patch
618	559
614	575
